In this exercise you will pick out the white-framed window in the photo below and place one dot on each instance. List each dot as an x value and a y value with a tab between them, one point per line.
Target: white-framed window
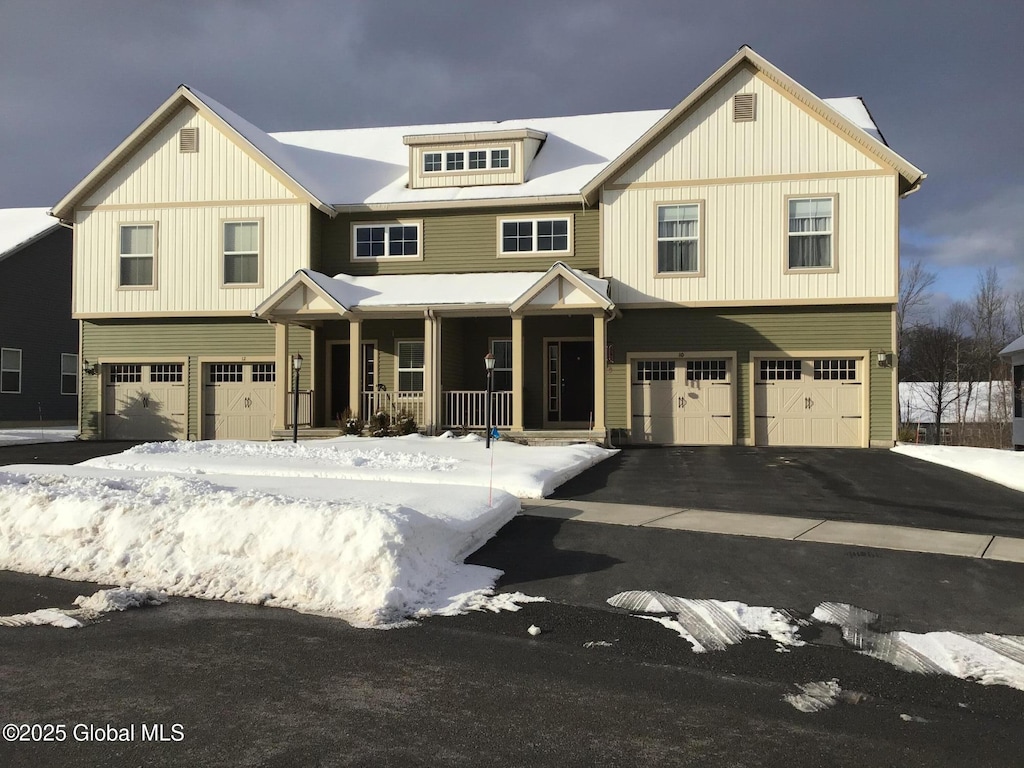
225	373
381	241
811	226
706	370
241	252
678	238
264	372
68	374
535	235
410	366
138	254
472	159
124	373
431	162
835	369
502	376
10	371
167	373
655	370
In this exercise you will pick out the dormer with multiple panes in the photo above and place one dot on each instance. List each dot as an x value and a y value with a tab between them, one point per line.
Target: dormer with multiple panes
472	159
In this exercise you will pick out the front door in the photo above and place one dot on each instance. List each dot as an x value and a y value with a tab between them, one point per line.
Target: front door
340	394
570	382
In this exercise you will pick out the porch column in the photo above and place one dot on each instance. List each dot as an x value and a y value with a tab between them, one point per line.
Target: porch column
517	373
431	371
355	366
599	366
283	376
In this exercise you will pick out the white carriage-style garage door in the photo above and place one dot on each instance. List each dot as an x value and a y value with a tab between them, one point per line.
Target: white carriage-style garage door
682	402
809	401
238	401
145	401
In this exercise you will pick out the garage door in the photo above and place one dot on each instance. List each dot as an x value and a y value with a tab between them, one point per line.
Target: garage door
682	402
144	401
811	401
238	401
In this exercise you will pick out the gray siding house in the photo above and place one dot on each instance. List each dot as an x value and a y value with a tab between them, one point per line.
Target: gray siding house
39	364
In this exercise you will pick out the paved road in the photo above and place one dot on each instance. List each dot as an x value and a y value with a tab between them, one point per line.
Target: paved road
868	486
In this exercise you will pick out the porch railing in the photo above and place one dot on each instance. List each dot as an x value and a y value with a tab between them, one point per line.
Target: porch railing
305	408
466	409
392	404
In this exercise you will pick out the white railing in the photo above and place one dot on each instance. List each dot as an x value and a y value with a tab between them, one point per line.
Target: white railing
305	408
392	404
466	409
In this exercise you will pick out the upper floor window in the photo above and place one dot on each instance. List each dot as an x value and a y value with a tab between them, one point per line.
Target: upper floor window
811	227
138	252
500	158
679	238
454	161
381	241
534	236
431	162
241	253
10	371
69	374
480	159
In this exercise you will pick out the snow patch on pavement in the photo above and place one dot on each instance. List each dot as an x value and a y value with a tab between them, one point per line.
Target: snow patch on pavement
103	601
815	697
1003	467
27	436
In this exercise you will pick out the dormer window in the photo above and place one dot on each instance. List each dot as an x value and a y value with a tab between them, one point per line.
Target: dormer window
431	162
464	159
500	158
454	161
467	159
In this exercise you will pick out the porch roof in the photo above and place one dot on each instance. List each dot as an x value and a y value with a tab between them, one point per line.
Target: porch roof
314	295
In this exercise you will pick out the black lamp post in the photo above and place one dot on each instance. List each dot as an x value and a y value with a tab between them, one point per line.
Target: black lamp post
489	365
296	365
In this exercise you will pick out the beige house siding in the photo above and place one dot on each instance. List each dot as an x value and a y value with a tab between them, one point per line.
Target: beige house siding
158	173
458	241
783	139
744	244
852	327
111	341
188	269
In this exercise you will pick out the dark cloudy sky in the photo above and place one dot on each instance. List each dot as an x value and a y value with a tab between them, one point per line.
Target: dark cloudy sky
943	80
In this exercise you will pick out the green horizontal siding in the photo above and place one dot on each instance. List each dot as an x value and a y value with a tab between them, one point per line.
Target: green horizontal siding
187	338
458	241
864	327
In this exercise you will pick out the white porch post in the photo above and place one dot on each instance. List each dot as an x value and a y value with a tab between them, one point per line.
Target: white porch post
517	373
284	373
599	365
432	370
355	366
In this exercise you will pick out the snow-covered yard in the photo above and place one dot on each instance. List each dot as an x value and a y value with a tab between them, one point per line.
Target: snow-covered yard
370	530
1003	467
26	435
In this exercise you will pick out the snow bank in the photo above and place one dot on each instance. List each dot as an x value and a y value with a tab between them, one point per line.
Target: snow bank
1003	467
523	471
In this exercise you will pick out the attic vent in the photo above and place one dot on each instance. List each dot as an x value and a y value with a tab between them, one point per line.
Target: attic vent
744	107
188	140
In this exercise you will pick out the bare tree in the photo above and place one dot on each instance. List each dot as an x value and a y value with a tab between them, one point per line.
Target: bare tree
1017	313
990	328
931	358
915	294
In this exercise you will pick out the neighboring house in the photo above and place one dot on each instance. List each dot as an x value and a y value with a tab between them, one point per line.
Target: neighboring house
724	272
972	412
39	368
1014	352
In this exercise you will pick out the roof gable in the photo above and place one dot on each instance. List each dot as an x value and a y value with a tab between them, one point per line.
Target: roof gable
746	58
20	227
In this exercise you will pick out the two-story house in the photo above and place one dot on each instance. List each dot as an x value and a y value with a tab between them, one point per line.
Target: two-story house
724	272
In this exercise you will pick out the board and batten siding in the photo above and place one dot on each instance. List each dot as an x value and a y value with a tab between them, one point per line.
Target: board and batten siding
743	330
157	172
744	242
186	340
460	241
188	272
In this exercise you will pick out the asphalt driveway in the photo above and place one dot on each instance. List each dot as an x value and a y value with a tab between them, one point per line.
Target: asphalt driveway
856	485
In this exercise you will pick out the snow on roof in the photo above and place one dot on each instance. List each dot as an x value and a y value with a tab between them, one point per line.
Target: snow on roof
1014	346
20	225
471	288
917	402
855	110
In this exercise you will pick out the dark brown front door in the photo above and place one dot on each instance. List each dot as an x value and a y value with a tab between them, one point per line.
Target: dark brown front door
570	381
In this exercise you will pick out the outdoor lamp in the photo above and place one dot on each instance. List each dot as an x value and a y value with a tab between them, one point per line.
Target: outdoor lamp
489	365
296	365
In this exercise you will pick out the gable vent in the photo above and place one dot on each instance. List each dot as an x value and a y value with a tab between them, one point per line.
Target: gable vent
744	107
188	140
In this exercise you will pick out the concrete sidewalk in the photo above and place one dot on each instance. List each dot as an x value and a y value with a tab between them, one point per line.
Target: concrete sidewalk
819	530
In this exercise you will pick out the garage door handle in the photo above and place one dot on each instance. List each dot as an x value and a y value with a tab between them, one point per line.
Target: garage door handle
248	402
145	402
681	401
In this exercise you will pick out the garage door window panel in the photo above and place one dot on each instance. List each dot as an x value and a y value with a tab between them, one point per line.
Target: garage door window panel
171	373
706	370
841	369
225	373
780	370
656	370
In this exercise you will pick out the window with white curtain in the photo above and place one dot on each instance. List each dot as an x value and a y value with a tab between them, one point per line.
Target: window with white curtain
810	232
241	252
138	250
678	238
410	366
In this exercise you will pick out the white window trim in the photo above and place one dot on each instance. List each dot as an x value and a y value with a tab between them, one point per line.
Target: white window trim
224	253
423	165
151	286
20	370
833	234
464	152
700	271
399	370
569	220
74	372
418	223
